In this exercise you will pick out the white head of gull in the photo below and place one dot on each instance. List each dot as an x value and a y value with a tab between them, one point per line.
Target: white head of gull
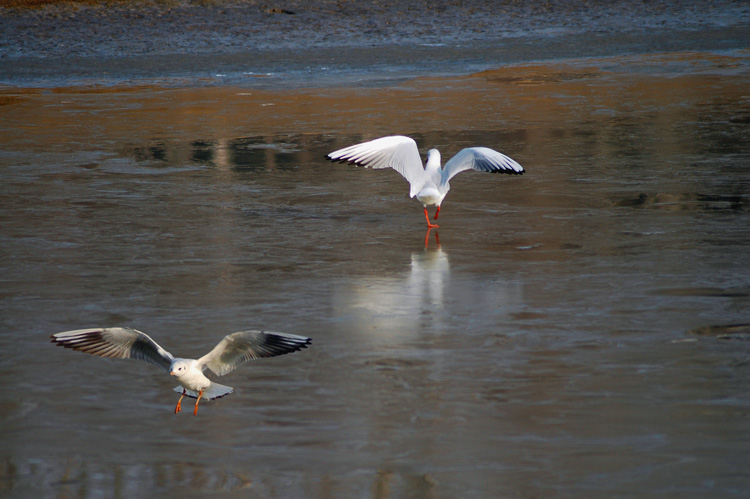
233	350
429	184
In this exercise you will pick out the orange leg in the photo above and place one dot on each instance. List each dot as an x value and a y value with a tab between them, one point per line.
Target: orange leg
437	212
179	403
427	216
200	394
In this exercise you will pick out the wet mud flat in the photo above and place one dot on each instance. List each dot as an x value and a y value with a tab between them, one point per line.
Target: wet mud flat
580	330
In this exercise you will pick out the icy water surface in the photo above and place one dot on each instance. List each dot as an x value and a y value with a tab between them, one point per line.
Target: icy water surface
581	330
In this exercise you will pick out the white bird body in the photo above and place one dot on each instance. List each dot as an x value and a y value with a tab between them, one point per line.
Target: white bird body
429	184
230	352
430	193
192	381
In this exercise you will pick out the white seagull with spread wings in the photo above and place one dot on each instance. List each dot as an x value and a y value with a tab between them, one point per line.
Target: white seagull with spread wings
233	350
429	184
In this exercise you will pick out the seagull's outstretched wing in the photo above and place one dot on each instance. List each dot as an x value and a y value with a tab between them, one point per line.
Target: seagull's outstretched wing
482	159
242	346
115	342
397	152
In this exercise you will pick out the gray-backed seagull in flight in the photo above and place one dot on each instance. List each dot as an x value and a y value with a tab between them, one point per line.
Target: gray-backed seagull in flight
233	350
429	184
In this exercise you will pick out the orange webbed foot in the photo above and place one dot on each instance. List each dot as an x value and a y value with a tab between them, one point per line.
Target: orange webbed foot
179	403
195	411
430	225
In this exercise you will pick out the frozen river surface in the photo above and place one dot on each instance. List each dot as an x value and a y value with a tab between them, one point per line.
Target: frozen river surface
581	330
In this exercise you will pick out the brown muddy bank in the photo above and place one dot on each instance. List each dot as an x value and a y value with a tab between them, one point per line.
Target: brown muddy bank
524	96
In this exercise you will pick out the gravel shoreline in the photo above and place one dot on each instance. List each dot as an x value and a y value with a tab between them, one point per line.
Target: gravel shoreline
146	39
192	28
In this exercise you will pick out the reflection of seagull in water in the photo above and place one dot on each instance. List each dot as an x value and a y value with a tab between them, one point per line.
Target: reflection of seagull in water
399	305
430	273
233	350
427	237
429	184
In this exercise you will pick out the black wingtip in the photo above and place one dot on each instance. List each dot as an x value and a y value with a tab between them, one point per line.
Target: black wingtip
300	346
341	160
509	172
286	343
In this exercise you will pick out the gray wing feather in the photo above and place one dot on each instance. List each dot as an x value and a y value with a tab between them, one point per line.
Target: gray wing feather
482	159
396	151
242	346
115	342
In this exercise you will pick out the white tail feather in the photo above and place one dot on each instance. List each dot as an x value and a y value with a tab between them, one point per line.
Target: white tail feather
214	391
